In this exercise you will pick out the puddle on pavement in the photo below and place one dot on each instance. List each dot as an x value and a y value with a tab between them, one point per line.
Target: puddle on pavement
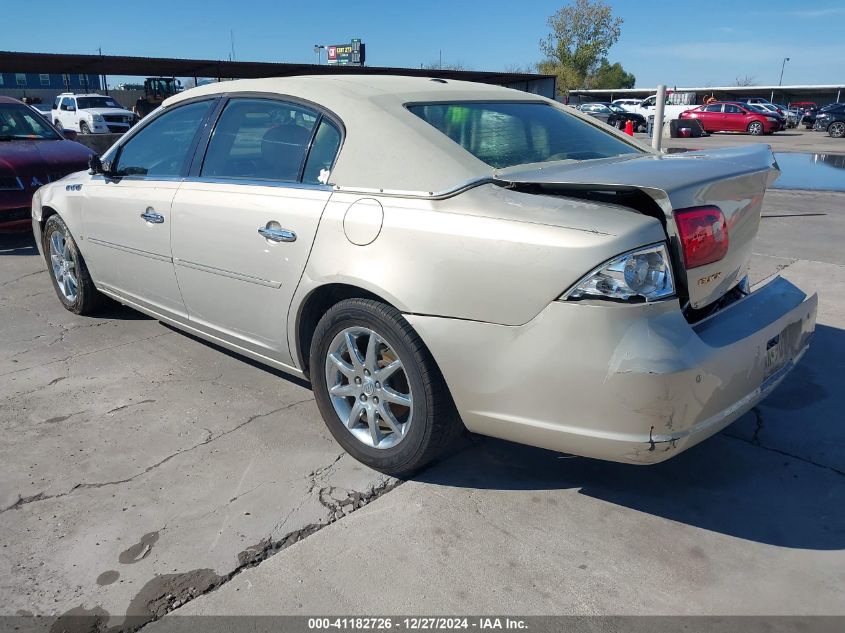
819	172
801	170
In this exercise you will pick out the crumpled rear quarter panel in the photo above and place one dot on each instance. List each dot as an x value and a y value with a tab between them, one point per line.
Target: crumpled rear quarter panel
633	383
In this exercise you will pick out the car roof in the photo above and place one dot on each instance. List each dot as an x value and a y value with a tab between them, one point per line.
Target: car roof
10	100
385	148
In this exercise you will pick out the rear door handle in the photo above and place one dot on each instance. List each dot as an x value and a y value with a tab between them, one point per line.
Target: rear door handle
152	217
276	235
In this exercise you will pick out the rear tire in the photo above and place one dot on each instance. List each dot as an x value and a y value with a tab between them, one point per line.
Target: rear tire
68	272
347	393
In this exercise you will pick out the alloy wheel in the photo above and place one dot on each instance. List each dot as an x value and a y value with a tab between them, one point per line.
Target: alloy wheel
836	129
64	267
368	387
755	128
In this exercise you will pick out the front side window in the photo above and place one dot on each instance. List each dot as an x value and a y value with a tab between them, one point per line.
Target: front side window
260	139
513	133
162	147
732	109
19	122
67	103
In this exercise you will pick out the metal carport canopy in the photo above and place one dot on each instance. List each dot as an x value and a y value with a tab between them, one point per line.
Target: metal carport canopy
49	63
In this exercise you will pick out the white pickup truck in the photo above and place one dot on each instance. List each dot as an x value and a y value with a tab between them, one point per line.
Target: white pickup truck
675	104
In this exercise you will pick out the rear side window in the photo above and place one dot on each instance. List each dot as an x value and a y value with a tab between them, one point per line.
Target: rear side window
322	155
260	139
512	133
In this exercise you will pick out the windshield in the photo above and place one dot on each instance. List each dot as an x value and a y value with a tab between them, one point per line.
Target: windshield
84	103
20	122
616	108
513	133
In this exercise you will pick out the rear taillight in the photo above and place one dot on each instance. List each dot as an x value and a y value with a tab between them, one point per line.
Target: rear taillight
704	235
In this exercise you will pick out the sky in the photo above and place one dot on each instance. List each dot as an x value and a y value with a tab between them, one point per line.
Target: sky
679	43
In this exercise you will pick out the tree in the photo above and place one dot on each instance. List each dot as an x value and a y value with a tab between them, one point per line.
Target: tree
747	80
611	76
437	65
521	68
581	35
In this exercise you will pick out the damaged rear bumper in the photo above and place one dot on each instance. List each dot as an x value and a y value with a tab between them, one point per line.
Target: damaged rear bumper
630	383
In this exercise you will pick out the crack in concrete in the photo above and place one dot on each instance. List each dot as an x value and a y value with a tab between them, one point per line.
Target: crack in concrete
79	354
754	440
758	419
164	594
131	404
11	281
41	496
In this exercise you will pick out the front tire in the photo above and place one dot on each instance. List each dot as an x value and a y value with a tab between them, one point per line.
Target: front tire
836	129
68	272
378	388
755	128
84	129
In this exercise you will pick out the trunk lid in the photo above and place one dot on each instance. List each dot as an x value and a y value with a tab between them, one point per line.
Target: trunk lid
732	179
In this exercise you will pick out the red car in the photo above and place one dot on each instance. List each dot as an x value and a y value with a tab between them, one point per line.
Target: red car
733	117
32	153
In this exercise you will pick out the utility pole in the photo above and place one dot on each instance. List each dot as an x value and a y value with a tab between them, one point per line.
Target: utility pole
780	81
657	129
232	45
103	76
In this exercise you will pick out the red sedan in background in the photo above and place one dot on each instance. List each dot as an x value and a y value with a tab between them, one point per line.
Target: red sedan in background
32	153
733	117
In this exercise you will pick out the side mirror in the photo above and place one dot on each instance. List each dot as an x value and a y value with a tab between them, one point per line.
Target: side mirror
69	134
96	166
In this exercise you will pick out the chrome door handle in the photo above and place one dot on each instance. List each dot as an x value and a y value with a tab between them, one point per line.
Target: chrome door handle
152	217
276	235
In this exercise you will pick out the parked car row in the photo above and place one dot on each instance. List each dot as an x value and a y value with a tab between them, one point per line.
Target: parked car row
614	115
754	116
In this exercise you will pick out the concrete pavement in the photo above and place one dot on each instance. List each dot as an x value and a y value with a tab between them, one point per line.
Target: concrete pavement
133	453
141	468
750	522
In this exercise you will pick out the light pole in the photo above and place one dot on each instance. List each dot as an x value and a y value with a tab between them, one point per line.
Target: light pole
317	49
780	81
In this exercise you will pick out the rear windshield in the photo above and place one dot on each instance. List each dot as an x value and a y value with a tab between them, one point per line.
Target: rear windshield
512	133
